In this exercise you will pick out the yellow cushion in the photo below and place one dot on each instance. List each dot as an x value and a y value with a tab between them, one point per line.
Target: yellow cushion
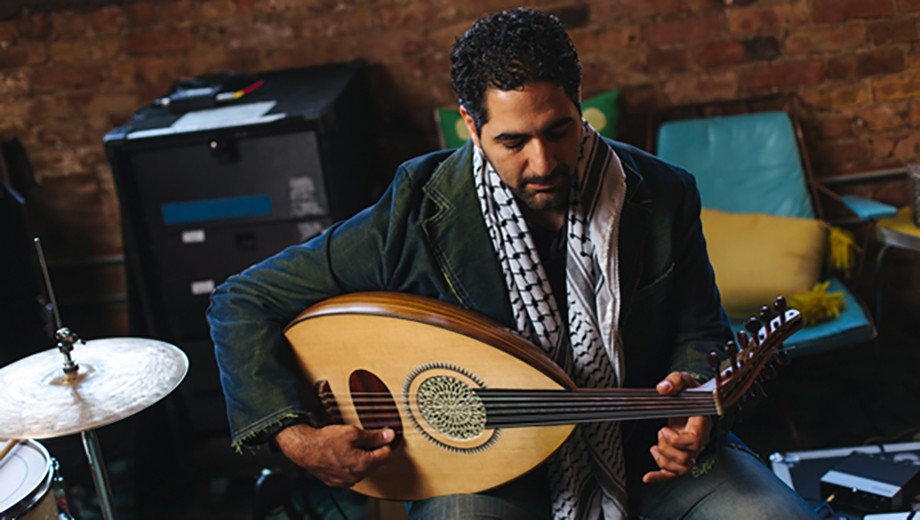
757	257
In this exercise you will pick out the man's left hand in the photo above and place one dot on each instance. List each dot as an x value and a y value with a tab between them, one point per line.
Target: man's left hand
682	440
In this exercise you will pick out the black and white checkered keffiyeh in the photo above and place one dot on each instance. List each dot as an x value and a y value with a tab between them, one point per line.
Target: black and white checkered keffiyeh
587	473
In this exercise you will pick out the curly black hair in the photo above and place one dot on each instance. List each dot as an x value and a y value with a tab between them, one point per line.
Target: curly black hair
509	49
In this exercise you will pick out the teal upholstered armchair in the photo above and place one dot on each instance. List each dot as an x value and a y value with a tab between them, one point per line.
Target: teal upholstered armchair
753	177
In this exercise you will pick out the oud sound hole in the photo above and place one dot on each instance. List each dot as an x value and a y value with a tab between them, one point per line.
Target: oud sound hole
373	401
451	407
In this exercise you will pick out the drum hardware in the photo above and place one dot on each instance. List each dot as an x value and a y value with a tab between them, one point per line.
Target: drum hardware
29	482
40	397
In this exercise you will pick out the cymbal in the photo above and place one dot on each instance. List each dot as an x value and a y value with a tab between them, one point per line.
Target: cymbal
117	377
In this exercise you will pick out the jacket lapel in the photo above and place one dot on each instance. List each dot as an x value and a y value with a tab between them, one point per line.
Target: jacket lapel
460	241
635	224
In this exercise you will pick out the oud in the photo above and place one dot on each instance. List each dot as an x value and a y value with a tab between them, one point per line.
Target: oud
473	404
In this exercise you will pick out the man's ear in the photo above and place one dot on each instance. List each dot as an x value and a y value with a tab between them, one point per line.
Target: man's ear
470	126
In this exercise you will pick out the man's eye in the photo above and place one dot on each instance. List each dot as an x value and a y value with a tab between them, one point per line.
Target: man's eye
558	133
514	145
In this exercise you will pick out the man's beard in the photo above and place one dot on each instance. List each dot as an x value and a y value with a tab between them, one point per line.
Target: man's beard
556	197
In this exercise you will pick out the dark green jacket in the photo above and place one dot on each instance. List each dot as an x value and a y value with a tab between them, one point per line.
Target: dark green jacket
426	236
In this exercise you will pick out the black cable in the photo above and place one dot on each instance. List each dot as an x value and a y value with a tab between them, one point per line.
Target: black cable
882	454
826	505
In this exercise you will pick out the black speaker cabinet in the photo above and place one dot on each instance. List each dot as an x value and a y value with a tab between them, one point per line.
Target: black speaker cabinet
225	171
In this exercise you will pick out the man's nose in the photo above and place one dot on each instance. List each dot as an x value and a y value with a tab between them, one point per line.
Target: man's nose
542	161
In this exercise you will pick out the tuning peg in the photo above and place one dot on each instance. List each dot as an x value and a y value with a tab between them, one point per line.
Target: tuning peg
752	325
766	314
732	350
742	338
715	363
780	305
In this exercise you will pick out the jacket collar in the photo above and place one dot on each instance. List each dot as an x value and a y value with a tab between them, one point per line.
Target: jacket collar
460	241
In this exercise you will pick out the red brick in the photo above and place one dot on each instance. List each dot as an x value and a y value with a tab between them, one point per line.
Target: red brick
414	14
668	60
695	88
338	24
180	10
907	148
141	14
839	151
158	40
67	76
9	31
815	39
880	61
756	19
784	75
245	6
832	125
216	9
22	53
690	30
253	35
914	58
893	31
881	147
71	51
159	72
108	19
328	50
630	68
698	6
605	39
719	54
35	26
841	67
121	73
897	87
69	24
915	113
886	116
840	10
215	60
762	48
15	83
637	10
382	47
835	96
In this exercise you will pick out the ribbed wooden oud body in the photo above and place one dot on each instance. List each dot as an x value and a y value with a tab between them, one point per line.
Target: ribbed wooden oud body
393	336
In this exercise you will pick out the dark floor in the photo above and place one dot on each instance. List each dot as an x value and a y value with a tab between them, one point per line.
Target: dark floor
159	469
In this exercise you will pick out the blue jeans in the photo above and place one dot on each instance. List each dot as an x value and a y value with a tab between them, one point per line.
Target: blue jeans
737	486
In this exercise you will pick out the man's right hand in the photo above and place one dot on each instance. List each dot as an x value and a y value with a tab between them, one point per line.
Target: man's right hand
338	455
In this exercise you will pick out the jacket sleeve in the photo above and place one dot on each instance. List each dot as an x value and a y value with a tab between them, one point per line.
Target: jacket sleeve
701	324
249	311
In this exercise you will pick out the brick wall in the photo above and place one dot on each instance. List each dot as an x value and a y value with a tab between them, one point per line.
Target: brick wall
69	74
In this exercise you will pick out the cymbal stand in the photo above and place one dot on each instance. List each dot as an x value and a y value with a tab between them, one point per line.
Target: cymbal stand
65	342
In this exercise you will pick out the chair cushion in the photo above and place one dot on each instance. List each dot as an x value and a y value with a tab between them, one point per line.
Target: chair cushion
452	131
850	329
603	112
745	163
757	257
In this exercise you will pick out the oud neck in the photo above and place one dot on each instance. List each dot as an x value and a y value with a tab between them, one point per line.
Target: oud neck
519	408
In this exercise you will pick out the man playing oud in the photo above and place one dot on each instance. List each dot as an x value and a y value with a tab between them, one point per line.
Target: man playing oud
590	248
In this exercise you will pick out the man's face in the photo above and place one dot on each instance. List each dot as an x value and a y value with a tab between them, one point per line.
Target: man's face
532	139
